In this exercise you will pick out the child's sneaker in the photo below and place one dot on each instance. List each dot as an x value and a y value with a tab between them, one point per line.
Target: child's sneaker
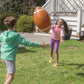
50	61
55	65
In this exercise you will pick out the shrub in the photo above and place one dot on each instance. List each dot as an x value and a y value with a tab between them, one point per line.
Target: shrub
2	17
25	24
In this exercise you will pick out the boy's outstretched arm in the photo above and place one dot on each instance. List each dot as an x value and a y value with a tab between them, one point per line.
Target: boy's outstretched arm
43	45
23	41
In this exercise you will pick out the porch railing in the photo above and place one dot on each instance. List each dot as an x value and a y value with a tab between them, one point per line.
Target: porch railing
48	6
63	6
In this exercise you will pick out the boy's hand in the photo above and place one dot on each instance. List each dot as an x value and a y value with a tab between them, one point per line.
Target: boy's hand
43	45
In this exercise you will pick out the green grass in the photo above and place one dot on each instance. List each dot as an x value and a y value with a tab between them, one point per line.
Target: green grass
33	67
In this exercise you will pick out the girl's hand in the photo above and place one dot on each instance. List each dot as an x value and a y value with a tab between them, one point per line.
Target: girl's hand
43	45
61	41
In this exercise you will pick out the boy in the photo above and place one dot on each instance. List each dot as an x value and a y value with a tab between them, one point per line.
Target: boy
10	41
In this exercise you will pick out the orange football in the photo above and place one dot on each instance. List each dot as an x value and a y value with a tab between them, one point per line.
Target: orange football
42	19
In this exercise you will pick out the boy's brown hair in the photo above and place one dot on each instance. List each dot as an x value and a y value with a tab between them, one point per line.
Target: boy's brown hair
10	22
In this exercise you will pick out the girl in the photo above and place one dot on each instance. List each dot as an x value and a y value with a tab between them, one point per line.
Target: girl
57	36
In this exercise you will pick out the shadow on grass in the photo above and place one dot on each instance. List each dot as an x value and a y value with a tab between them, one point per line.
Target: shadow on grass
78	65
80	74
73	64
24	50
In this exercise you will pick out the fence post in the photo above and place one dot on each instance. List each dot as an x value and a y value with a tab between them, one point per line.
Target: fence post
82	24
56	5
79	19
46	0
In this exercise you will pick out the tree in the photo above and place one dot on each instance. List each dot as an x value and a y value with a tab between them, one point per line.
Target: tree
20	6
27	5
40	2
11	5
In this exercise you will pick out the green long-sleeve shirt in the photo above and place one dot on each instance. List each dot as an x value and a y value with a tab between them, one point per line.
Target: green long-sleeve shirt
10	41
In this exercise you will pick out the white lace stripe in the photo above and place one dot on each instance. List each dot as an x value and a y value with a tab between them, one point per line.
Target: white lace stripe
46	28
38	11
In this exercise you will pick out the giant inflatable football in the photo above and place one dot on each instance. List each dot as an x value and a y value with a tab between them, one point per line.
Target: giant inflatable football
42	19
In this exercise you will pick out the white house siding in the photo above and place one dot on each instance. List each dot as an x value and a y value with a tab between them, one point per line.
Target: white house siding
68	7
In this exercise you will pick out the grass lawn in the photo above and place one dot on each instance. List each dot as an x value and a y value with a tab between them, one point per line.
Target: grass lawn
33	67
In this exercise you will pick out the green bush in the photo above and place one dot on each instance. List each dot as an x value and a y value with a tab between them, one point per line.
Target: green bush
2	17
25	24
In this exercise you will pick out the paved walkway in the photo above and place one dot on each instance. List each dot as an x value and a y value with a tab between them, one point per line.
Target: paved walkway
36	37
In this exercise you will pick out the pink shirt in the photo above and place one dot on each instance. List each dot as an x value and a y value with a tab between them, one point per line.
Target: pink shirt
56	32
